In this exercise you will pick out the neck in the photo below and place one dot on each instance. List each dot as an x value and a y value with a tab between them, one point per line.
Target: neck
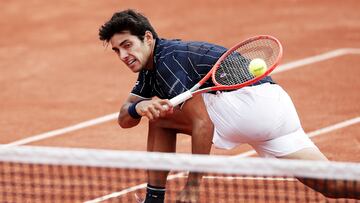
150	62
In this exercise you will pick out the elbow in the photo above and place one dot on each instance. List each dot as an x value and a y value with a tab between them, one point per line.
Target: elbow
122	123
126	122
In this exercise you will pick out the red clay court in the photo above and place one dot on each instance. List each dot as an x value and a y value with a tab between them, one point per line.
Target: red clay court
61	87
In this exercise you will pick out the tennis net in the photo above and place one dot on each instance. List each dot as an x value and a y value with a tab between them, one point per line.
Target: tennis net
44	174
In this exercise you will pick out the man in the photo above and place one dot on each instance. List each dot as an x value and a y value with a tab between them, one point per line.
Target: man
167	68
136	43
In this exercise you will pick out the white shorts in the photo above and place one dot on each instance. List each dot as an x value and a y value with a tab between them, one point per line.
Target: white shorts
263	116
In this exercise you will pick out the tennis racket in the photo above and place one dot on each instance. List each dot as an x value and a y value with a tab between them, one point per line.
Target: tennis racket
231	71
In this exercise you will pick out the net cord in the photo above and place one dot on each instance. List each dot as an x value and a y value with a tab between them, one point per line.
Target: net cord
180	162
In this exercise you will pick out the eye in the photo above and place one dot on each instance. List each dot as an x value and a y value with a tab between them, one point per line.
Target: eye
127	45
116	51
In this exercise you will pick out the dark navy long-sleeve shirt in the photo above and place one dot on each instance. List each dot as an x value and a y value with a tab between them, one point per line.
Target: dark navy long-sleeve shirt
178	66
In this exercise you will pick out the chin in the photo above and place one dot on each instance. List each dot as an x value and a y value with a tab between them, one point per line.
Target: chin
136	69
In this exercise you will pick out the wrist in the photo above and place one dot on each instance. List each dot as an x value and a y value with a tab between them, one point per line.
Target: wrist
132	110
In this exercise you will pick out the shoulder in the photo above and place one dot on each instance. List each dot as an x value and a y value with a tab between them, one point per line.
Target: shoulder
178	44
165	48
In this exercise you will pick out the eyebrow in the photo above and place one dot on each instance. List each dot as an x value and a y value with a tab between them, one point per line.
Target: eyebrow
114	48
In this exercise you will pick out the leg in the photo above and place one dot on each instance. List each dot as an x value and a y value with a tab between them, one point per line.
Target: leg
329	188
193	120
201	142
162	138
309	153
279	134
297	145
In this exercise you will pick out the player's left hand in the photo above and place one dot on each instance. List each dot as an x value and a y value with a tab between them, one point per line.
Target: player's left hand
190	194
138	199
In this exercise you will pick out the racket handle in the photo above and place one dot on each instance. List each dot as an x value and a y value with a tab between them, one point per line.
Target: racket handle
181	98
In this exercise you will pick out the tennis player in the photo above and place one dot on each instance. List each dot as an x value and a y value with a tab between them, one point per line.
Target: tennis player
261	115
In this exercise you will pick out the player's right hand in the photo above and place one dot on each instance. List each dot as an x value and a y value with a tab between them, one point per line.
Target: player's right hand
154	108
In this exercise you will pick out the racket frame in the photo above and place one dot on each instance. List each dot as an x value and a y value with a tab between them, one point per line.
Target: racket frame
195	89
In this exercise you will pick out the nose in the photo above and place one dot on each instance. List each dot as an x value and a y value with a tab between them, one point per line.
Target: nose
123	55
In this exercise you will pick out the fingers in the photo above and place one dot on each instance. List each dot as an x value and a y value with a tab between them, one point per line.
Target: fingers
188	196
139	199
154	108
164	107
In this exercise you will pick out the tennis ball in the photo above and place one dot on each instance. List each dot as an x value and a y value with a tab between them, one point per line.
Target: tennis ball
257	67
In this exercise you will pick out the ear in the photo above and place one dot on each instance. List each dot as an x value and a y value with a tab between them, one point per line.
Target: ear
148	37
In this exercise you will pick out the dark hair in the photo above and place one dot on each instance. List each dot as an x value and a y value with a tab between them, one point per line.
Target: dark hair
127	20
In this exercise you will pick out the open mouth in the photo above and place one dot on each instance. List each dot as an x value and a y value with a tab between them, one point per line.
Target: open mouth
131	62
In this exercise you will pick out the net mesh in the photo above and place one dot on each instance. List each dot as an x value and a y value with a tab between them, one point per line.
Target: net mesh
38	174
234	69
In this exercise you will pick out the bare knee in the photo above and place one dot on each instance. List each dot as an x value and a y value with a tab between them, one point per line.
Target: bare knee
310	153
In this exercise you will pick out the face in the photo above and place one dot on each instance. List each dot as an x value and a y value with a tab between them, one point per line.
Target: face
136	54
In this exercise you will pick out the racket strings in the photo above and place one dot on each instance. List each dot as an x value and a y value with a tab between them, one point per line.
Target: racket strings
234	70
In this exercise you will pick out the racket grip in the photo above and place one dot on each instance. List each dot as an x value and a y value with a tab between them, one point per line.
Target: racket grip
181	98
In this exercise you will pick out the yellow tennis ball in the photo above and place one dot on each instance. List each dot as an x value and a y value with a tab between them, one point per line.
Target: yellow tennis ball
257	67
